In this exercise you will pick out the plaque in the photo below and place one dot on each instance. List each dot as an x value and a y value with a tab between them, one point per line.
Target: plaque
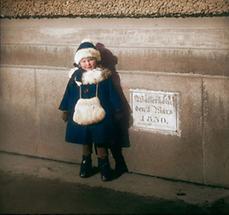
155	110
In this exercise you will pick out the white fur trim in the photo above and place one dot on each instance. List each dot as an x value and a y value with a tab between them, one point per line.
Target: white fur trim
71	71
78	83
93	76
87	52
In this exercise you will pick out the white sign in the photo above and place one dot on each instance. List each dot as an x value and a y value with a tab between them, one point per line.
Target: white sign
155	110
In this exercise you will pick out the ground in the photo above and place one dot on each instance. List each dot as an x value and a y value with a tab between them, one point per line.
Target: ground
37	186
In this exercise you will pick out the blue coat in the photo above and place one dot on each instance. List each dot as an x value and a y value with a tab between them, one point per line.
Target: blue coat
99	133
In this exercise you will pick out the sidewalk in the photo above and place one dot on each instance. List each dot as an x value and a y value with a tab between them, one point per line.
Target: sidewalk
150	194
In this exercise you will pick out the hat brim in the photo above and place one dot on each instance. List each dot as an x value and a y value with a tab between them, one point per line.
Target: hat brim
88	52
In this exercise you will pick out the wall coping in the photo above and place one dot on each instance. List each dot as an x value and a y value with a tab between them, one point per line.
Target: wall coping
145	72
111	8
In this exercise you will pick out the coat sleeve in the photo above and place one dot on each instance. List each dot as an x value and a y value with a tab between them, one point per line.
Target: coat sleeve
115	98
64	104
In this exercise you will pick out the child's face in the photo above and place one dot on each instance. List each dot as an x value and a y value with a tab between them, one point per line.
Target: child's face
88	63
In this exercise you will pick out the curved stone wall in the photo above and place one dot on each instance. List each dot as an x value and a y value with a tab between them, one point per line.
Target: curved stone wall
117	8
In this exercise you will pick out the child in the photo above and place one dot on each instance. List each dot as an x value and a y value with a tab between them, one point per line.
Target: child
88	82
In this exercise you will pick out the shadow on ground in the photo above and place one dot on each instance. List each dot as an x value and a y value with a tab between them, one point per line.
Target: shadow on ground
32	195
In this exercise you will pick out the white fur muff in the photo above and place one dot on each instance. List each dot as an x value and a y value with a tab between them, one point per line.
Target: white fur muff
88	111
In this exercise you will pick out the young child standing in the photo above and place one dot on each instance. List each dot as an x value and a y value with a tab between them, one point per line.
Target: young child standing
90	86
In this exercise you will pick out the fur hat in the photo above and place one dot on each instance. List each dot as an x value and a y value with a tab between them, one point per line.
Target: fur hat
86	49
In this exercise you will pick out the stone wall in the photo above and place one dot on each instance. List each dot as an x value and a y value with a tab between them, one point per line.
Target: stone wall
187	56
118	8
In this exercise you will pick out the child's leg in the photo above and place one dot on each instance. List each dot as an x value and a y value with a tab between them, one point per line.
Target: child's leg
87	149
86	163
101	152
103	162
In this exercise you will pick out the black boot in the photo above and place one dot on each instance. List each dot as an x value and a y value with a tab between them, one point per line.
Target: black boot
105	169
86	167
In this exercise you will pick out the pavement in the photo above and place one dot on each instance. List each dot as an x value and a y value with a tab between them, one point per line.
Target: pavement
32	185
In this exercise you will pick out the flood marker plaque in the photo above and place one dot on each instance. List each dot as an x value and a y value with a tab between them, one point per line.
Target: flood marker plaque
155	110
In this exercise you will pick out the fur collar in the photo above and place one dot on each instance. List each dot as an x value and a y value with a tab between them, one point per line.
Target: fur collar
94	76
